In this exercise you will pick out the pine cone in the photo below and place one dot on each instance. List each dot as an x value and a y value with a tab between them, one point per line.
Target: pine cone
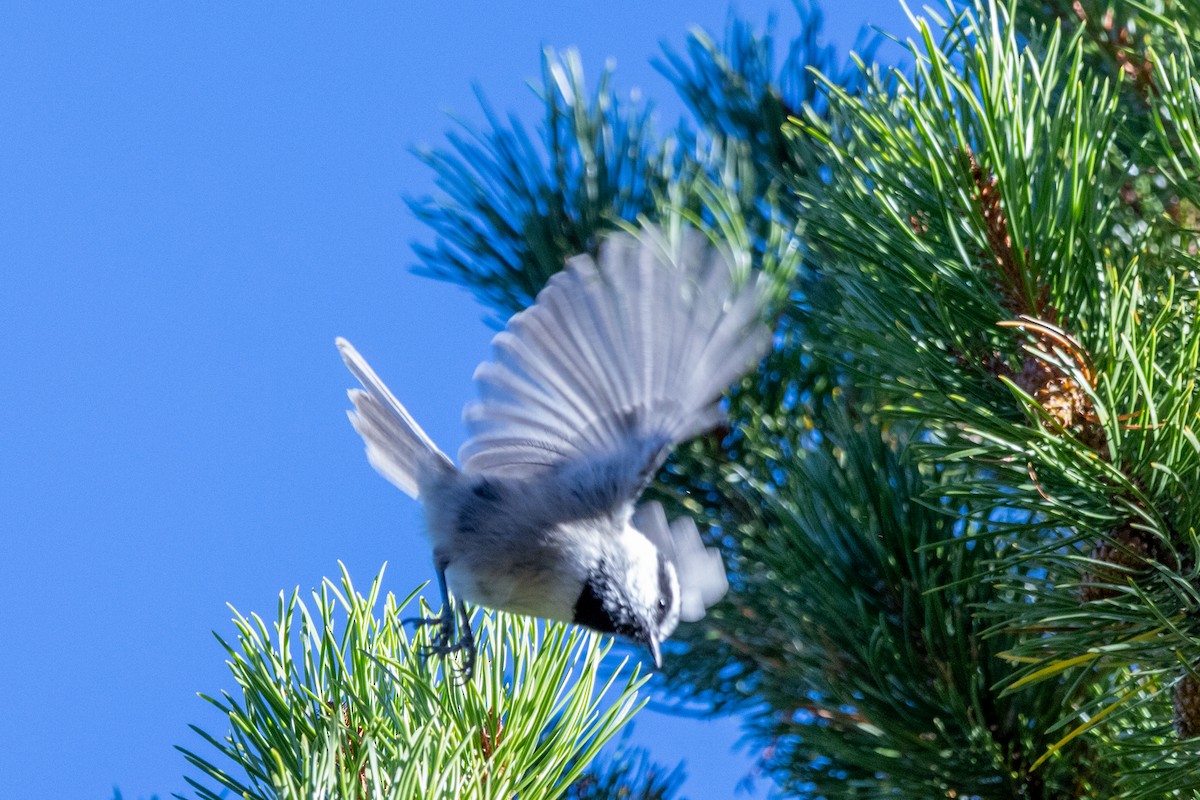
1128	550
1185	697
1062	398
1035	374
999	256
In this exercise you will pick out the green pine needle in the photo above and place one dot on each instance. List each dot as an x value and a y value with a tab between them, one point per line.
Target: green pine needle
335	699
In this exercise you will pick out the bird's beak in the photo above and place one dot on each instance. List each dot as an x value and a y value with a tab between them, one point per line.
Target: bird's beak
655	652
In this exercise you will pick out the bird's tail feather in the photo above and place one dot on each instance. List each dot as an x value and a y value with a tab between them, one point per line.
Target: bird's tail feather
396	446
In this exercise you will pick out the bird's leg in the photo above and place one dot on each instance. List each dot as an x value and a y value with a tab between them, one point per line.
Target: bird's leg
444	620
466	641
444	642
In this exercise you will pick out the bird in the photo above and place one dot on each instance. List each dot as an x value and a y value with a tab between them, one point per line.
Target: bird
620	358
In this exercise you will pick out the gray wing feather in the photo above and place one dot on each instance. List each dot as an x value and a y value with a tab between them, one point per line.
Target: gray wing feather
618	360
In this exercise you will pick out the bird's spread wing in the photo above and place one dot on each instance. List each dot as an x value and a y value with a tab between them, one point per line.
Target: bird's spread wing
616	362
701	573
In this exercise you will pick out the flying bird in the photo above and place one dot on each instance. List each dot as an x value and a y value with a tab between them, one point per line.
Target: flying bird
588	390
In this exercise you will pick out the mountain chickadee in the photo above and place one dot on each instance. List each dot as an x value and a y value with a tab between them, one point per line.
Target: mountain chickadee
588	391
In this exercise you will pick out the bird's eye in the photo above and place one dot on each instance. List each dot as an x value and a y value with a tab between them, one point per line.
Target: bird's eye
662	602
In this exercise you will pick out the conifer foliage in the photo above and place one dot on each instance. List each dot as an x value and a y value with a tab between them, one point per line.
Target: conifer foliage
960	498
335	699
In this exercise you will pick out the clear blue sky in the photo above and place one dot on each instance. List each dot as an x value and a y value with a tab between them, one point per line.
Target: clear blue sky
195	198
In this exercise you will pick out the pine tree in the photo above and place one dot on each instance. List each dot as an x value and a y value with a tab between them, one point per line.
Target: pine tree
958	500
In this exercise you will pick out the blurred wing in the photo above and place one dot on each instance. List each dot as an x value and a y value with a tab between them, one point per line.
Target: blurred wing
700	571
615	362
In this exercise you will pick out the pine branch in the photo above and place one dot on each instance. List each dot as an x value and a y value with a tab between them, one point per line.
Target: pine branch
986	275
627	774
1049	349
336	700
854	642
516	206
737	92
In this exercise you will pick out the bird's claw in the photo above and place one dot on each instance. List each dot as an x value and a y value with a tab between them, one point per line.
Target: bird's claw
444	623
444	643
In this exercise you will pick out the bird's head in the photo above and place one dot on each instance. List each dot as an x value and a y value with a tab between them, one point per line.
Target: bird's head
633	592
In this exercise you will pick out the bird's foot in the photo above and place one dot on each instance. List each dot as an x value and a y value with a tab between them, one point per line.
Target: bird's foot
445	628
444	642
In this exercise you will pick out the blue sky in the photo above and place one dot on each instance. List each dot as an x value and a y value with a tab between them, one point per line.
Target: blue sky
195	198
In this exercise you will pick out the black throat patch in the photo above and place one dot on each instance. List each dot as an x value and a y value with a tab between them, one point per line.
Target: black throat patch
597	608
590	611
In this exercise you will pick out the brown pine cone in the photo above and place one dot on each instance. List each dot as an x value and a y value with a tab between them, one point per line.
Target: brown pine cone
1128	550
1185	697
